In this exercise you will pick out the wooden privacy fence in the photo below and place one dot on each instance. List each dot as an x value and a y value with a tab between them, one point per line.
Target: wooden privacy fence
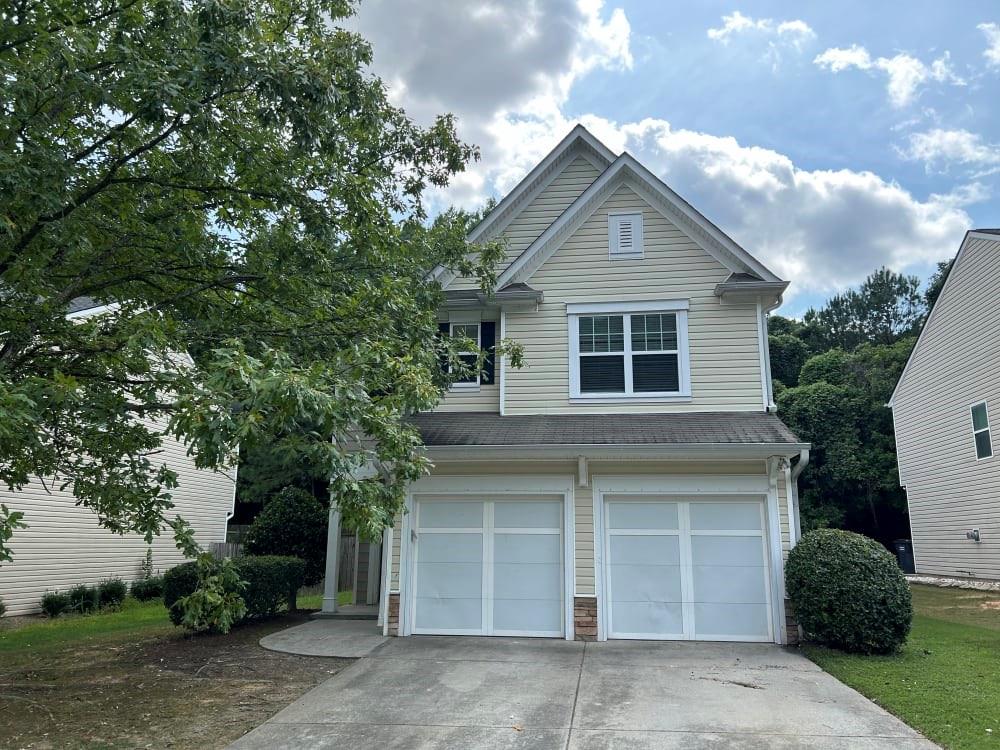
345	571
221	550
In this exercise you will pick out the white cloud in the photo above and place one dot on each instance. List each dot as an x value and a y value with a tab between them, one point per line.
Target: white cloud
823	229
905	74
992	51
939	148
778	35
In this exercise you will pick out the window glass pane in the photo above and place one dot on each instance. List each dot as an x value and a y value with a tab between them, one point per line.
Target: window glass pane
656	332
602	333
465	330
983	447
602	374
655	372
979	417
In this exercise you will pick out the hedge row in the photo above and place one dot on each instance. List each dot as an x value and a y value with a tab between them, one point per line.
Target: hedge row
272	581
85	599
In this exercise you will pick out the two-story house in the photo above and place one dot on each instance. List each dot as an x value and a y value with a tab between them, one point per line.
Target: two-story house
631	480
945	409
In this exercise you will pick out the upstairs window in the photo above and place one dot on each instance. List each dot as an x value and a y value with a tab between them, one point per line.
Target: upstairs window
618	353
625	236
482	335
981	431
467	331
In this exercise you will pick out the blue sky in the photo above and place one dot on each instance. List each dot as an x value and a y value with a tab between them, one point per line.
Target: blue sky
826	138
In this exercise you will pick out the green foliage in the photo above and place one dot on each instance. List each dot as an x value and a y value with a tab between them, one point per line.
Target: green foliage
936	283
54	603
10	520
848	592
3	607
112	592
788	353
214	604
84	599
146	589
146	566
829	367
268	583
235	182
292	523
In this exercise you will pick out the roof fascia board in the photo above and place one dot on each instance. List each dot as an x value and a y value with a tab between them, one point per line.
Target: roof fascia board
643	451
969	235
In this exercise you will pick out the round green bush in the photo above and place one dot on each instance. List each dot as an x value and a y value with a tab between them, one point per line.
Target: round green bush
848	592
84	599
3	607
112	592
293	523
146	589
54	603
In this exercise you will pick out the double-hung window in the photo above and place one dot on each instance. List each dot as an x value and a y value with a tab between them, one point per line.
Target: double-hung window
623	350
981	430
470	331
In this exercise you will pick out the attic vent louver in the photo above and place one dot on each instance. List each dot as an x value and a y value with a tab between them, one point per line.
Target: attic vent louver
625	236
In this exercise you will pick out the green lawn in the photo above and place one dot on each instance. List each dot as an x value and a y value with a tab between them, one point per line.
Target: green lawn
946	680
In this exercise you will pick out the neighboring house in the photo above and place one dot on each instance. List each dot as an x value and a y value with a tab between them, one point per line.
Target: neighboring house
946	409
632	479
64	546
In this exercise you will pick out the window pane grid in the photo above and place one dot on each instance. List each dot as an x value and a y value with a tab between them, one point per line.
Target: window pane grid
981	431
601	334
654	333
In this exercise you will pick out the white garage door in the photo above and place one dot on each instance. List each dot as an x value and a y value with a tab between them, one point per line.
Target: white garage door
488	567
678	569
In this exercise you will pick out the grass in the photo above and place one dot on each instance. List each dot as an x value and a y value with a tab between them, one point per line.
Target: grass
946	680
315	601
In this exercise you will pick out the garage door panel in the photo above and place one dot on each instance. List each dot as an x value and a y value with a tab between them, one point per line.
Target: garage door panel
643	583
725	516
450	579
449	613
450	514
450	548
528	615
734	551
742	620
647	618
527	548
527	581
643	515
527	514
645	550
728	584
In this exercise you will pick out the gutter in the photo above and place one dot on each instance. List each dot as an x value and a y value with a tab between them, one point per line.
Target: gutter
615	451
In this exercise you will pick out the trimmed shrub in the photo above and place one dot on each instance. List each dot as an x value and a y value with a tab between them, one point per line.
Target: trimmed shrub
848	592
146	589
293	523
54	603
84	599
3	607
112	592
271	581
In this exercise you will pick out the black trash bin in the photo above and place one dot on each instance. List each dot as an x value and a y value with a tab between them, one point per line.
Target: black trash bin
904	554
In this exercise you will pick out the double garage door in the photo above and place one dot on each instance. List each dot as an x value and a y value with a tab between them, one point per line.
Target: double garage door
489	567
678	569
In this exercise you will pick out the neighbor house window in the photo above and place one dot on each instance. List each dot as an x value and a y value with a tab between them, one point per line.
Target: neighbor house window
467	331
981	431
624	351
624	236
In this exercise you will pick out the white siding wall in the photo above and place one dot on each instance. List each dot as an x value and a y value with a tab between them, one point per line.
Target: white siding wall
64	545
725	357
584	502
565	188
956	365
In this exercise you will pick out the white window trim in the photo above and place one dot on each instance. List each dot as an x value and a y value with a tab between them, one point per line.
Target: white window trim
637	238
470	386
985	429
626	310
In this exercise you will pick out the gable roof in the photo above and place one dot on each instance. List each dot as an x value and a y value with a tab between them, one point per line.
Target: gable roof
992	235
626	170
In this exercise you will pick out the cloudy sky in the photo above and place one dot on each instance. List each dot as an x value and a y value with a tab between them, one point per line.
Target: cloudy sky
826	138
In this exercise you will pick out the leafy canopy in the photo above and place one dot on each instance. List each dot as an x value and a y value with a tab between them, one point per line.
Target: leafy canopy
228	175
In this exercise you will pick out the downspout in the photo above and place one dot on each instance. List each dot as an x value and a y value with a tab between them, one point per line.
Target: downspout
793	483
502	362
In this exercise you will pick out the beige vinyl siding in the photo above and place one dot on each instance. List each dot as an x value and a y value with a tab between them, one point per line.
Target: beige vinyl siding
723	338
64	546
956	365
583	499
535	218
487	398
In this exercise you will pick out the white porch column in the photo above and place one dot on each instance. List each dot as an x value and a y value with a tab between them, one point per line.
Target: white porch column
332	560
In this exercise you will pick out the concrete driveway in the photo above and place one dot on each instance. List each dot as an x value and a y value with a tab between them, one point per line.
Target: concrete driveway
460	692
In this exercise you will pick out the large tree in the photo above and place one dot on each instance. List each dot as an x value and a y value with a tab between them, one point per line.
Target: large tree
227	176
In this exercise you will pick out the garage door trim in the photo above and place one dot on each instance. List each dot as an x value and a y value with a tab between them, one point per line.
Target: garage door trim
692	487
487	487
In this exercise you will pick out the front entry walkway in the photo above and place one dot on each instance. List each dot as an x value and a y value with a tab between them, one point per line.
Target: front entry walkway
438	692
